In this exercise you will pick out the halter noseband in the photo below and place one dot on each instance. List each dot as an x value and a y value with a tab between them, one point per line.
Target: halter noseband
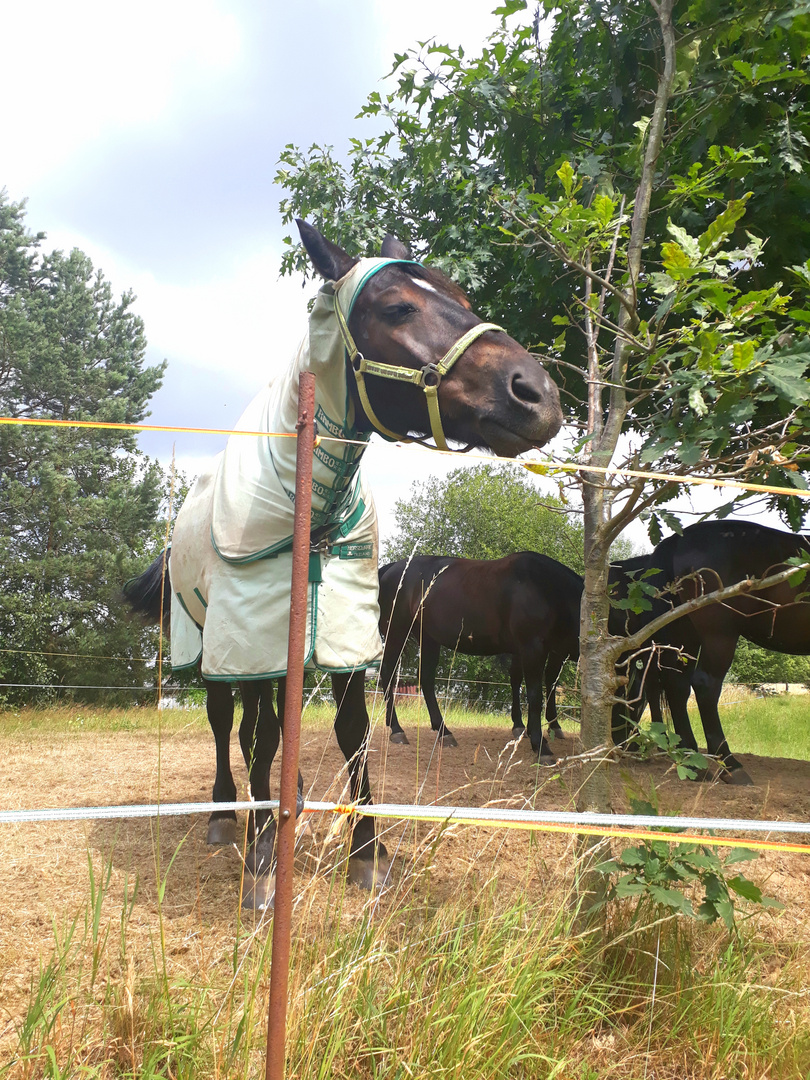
428	377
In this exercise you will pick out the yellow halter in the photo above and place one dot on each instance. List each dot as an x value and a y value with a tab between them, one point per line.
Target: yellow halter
428	377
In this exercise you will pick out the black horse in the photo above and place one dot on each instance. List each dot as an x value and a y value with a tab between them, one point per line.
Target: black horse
494	396
525	605
696	651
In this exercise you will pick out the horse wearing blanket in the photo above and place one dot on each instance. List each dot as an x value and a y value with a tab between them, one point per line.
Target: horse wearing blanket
397	349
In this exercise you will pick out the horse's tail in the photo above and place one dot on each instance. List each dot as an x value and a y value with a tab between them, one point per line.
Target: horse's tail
151	591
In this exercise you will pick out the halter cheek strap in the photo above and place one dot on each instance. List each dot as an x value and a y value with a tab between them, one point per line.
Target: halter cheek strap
428	377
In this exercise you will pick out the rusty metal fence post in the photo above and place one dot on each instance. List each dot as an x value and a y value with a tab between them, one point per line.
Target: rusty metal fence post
282	916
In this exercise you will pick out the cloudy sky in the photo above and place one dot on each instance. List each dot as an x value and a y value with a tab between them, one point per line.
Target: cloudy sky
148	136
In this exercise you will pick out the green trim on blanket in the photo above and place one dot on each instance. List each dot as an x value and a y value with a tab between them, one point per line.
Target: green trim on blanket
266	553
189	666
200	597
313	596
344	670
340	529
183	606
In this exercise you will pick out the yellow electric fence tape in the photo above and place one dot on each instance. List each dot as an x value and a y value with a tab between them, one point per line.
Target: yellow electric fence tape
543	468
413	814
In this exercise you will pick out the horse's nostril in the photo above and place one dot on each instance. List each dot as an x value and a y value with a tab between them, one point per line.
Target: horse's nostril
525	389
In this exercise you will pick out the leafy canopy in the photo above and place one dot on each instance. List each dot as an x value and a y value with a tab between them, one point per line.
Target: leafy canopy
515	166
484	512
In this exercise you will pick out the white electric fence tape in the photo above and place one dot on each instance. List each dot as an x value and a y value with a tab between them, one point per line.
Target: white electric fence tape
439	814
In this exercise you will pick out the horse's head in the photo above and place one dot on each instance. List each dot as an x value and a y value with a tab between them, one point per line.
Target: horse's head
409	317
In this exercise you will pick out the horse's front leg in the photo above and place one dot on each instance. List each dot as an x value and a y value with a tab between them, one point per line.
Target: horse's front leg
281	699
219	706
368	859
428	662
259	737
627	711
516	682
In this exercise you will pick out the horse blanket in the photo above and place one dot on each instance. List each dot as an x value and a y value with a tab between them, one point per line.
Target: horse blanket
231	555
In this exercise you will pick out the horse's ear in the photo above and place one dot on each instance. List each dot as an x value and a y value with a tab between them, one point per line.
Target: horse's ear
330	261
394	249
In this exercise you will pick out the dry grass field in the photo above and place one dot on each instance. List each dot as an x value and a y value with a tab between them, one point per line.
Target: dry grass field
123	952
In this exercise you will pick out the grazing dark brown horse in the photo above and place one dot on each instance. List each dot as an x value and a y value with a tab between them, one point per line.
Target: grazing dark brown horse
435	368
525	605
697	650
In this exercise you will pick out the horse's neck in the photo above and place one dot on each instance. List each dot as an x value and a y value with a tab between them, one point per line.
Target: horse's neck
340	447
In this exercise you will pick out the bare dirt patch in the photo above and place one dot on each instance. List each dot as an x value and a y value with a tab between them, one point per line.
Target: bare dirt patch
45	867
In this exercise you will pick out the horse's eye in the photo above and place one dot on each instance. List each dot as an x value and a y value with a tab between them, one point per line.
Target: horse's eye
397	313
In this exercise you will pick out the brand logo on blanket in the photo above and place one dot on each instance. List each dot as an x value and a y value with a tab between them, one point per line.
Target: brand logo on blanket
334	464
330	425
352	551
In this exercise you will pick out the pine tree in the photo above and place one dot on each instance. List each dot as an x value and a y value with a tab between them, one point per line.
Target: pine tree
78	507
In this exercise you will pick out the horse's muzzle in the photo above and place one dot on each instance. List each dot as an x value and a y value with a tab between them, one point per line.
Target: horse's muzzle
526	413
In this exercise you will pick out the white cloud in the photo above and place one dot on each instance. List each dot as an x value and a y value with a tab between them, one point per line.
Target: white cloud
244	322
81	71
398	27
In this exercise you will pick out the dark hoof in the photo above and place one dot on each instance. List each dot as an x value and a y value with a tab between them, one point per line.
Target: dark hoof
546	759
701	776
399	737
221	831
448	739
259	893
555	731
369	874
518	732
736	777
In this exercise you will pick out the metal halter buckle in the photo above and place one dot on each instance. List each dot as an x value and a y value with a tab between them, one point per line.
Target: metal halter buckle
430	375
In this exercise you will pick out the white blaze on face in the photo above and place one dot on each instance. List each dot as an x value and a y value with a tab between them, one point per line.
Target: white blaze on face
424	285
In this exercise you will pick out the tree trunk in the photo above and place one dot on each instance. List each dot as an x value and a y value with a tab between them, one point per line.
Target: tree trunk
598	653
598	685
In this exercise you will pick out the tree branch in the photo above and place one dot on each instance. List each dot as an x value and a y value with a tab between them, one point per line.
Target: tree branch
742	588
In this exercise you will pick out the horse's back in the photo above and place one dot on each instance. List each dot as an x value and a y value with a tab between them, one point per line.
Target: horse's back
728	552
482	605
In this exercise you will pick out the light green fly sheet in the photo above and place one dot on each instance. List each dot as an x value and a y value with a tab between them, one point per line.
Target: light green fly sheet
231	557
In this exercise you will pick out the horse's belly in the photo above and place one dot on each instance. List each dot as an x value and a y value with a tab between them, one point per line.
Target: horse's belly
472	640
773	620
788	633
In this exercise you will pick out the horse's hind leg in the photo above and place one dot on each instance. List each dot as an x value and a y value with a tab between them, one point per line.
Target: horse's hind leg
259	737
219	706
707	682
677	686
533	669
516	681
428	662
368	859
